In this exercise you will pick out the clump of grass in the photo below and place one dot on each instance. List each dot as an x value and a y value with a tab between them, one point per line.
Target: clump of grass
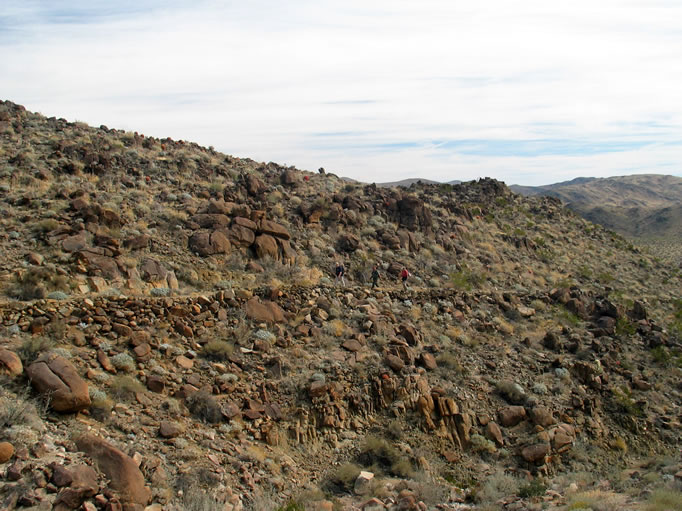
450	361
15	412
205	407
344	477
379	454
495	487
35	283
32	348
664	499
218	350
125	387
123	362
512	392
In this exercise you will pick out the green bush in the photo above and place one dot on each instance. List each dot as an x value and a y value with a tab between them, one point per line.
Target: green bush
125	387
535	488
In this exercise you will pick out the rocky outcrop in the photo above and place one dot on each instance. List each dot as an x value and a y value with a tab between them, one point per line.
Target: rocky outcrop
55	377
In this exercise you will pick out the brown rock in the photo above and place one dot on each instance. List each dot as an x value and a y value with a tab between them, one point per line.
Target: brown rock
54	375
35	259
266	246
143	351
410	334
6	452
61	475
512	415
394	363
10	363
535	453
241	236
493	432
155	383
428	361
184	362
207	243
74	243
542	416
168	429
122	471
352	345
273	229
318	388
266	311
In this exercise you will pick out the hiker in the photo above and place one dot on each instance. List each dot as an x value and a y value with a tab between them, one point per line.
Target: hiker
340	272
403	275
375	276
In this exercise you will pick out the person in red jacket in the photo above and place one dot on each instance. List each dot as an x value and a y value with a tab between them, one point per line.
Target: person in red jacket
403	276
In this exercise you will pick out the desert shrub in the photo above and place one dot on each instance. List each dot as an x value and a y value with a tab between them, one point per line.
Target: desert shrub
205	407
32	347
466	280
344	477
535	488
379	454
44	226
625	327
450	361
35	283
123	362
664	499
512	392
481	444
125	387
15	411
622	397
596	500
197	499
395	429
497	486
218	350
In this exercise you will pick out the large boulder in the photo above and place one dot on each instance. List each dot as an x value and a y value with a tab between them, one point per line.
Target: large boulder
241	235
266	311
10	363
120	469
55	376
273	229
211	221
266	246
206	243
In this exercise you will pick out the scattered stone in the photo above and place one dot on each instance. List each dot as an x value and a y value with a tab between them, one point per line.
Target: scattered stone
6	452
363	483
54	375
512	415
10	363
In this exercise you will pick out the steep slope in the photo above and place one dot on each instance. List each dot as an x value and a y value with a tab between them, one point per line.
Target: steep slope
174	310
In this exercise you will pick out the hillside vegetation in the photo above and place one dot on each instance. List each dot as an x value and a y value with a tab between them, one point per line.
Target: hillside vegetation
646	207
171	335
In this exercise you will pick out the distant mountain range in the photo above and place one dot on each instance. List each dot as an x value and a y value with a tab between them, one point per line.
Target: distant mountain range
644	206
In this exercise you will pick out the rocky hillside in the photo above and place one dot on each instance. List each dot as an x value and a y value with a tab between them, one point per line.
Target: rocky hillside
647	207
171	337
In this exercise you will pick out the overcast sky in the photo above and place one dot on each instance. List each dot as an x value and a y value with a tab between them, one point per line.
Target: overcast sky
528	91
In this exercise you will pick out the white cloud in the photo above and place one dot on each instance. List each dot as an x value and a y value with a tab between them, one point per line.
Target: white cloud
262	79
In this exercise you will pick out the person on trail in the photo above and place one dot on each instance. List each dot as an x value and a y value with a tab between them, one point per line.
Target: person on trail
375	276
340	273
403	276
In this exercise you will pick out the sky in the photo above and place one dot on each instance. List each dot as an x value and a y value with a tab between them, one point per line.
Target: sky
529	92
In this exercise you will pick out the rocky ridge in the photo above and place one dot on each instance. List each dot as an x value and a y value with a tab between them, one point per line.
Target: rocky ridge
175	307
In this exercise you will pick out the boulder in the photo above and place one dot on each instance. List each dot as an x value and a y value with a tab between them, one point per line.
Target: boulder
10	363
169	429
266	311
542	416
535	453
512	415
120	469
241	235
6	452
273	229
75	243
211	221
266	246
348	243
363	483
206	243
493	432
54	375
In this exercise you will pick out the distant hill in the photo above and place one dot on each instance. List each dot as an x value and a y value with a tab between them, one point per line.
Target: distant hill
645	206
